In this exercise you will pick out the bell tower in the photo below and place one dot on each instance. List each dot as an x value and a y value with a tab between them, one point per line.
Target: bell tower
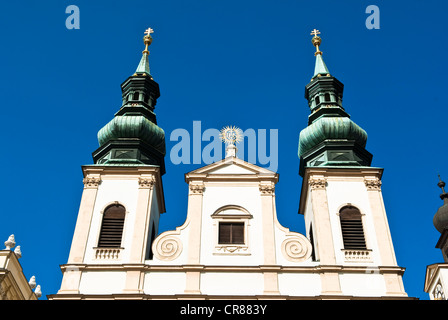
122	198
436	284
341	197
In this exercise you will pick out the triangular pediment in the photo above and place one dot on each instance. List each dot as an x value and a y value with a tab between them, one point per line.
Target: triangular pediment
231	169
432	274
231	166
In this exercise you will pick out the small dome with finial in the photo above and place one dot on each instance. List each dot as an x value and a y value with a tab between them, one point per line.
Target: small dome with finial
440	219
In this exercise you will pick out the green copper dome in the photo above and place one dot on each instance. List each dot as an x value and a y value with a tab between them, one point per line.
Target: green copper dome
336	128
133	127
331	138
132	137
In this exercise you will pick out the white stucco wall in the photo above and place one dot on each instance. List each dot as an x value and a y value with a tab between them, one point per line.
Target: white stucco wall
164	283
354	192
299	284
109	191
216	197
239	283
94	282
370	283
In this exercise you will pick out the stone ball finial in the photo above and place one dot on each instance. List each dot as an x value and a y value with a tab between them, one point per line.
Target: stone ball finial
38	291
10	243
32	282
18	252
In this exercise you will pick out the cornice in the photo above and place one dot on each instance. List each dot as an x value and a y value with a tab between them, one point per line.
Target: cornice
225	268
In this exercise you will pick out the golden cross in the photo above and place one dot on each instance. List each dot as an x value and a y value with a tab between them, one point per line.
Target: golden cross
149	31
316	41
147	39
315	32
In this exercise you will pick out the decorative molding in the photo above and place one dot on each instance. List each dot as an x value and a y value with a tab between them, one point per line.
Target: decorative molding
267	188
90	181
373	184
317	183
231	249
357	255
147	182
107	253
197	188
239	212
296	249
167	247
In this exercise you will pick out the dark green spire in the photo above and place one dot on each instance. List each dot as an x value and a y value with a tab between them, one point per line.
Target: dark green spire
132	137
331	138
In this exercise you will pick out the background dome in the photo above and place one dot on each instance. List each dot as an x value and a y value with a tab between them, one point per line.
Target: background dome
440	219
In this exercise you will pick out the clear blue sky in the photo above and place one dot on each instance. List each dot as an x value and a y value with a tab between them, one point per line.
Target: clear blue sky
218	62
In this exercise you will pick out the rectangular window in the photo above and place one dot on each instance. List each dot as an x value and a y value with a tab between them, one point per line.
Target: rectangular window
231	233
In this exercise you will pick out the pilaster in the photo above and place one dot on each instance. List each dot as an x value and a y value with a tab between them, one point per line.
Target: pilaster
381	225
267	189
91	182
142	218
195	198
322	224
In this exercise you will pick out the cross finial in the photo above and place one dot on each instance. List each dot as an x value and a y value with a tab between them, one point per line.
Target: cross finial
147	39
315	32
149	31
316	41
441	184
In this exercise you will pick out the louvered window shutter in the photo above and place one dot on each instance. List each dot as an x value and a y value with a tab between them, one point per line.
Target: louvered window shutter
112	227
352	229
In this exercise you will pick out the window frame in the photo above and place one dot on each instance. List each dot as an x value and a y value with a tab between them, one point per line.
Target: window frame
359	229
237	215
102	215
355	254
232	229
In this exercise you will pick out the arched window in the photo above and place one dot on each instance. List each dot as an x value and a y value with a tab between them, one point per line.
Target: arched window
352	230
317	99
327	97
112	226
136	96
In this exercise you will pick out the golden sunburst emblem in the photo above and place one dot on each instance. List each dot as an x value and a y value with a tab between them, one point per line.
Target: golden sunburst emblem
231	135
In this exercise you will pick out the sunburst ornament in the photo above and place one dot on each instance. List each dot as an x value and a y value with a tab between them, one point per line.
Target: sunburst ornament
231	135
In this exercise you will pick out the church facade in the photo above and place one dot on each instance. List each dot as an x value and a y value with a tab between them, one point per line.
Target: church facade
231	245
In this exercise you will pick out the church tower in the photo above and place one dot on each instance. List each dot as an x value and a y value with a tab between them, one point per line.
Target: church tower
123	195
341	197
436	280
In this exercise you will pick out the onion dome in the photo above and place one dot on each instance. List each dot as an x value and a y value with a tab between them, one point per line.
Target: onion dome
133	137
440	219
331	137
134	127
334	128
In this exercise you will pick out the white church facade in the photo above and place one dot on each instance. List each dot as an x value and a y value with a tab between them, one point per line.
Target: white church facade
231	245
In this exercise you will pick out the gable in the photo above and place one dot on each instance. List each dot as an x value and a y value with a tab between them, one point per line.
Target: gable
231	169
231	166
